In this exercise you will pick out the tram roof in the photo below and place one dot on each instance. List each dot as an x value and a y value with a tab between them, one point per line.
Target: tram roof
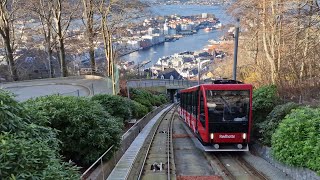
218	87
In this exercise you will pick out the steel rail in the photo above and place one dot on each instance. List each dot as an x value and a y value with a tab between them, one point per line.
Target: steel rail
252	170
242	163
224	168
170	145
150	144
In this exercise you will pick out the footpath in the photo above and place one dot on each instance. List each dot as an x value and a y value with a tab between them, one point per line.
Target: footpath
72	86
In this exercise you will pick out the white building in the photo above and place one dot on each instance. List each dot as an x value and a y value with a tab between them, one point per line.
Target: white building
204	15
186	27
133	44
150	31
165	29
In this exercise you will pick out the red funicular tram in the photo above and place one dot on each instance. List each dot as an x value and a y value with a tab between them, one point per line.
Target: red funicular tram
219	114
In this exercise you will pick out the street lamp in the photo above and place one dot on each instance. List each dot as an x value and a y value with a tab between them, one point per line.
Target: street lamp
235	55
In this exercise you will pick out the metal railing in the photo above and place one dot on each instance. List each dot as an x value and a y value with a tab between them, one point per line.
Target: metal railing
127	138
100	159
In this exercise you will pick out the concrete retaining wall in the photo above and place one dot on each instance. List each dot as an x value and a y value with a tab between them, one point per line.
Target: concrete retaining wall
127	139
293	172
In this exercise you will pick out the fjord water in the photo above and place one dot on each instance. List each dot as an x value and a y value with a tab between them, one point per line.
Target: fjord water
188	43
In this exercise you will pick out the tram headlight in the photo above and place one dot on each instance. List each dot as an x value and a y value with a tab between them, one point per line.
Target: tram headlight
244	135
211	135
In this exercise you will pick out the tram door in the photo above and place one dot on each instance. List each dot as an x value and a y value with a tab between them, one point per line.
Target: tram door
202	117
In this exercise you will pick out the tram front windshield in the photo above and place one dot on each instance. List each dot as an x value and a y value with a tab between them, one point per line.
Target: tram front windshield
228	106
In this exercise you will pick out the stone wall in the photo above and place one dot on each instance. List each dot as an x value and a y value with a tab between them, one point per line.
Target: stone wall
293	172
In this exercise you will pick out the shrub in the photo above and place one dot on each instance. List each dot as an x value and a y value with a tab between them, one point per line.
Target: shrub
28	151
296	141
146	98
86	130
117	106
138	110
269	126
264	100
31	158
11	113
157	100
163	98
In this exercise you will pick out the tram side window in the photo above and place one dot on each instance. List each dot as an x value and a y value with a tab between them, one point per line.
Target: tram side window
202	112
192	104
189	102
196	103
184	102
181	100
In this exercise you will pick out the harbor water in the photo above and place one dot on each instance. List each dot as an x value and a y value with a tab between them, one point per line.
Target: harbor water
194	42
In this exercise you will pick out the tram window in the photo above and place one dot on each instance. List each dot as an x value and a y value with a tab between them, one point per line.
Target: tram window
192	105
183	101
202	112
196	103
187	102
190	102
228	105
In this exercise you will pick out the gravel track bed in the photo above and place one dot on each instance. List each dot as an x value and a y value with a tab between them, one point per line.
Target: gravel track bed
189	160
156	164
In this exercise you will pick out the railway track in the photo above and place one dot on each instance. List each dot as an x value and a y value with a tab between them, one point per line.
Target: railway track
235	167
158	161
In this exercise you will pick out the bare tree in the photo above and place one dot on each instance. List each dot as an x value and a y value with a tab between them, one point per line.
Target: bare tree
89	22
285	35
114	15
44	11
63	13
8	14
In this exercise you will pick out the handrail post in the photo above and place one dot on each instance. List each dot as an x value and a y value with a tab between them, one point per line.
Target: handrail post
102	169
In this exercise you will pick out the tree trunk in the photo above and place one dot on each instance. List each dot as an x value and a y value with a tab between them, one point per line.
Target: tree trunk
105	43
49	58
62	56
91	47
88	12
12	66
49	51
92	59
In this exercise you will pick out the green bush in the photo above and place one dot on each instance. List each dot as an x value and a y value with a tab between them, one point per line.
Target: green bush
264	100
31	158
28	151
296	142
163	98
269	126
146	98
138	110
144	102
11	113
117	106
86	130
